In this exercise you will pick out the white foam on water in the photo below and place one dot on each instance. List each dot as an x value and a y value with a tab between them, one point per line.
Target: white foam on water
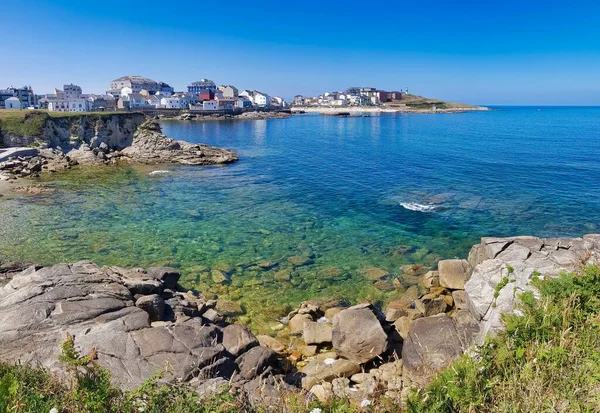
413	206
158	172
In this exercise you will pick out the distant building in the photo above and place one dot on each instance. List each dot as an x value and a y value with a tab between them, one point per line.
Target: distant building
278	101
69	99
243	102
261	100
202	85
299	100
226	103
12	103
137	84
248	94
210	105
155	101
206	94
171	103
228	91
395	95
24	94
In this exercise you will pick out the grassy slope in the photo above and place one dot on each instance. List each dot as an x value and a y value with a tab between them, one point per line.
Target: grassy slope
547	360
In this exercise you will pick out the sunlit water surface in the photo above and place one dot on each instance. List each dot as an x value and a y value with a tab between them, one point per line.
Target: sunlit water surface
338	195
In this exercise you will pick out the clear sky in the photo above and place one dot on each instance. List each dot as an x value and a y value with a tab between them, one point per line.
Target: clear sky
481	52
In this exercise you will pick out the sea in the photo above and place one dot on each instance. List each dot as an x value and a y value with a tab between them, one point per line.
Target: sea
316	202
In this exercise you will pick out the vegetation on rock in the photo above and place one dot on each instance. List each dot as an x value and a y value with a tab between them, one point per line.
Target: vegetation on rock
548	359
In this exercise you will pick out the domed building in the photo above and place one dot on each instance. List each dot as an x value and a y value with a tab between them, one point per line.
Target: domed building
202	85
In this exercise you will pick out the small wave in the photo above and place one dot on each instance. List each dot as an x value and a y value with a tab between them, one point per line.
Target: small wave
413	206
160	171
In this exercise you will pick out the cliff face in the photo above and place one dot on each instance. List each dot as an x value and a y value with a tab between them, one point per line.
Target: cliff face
72	130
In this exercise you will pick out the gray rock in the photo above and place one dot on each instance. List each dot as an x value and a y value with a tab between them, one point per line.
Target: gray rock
153	304
39	306
169	277
255	362
316	372
317	333
454	273
431	345
358	335
237	339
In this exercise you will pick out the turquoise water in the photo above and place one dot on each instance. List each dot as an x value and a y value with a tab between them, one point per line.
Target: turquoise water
338	195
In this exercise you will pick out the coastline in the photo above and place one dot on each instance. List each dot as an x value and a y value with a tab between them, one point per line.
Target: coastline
331	110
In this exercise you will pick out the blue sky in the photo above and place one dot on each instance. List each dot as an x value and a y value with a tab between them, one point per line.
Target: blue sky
501	52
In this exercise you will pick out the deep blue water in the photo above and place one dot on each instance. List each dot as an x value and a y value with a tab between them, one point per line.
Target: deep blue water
350	193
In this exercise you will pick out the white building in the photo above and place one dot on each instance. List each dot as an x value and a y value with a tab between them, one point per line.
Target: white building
210	105
262	99
243	102
228	91
139	83
171	103
248	94
77	105
69	99
12	103
278	101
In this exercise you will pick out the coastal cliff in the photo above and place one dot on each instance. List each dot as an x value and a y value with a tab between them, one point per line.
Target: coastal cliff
68	130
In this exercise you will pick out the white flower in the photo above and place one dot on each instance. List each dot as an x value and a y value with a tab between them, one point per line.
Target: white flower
365	403
53	410
316	410
329	361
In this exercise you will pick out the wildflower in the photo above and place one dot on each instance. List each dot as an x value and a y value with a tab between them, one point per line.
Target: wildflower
316	410
365	403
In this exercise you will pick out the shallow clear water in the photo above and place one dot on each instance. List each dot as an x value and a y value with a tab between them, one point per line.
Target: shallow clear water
349	193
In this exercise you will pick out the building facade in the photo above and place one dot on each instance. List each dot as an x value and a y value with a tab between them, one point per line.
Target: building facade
202	85
139	83
12	103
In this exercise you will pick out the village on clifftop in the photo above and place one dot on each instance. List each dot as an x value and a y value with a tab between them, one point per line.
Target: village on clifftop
138	93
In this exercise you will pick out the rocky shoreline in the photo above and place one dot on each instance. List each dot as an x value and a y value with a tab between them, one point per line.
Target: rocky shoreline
383	109
139	321
147	146
255	115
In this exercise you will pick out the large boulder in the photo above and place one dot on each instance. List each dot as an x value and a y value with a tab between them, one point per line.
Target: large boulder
454	273
358	334
432	344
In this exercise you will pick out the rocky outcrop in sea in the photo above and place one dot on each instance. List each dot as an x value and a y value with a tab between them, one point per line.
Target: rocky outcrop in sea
141	321
145	144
